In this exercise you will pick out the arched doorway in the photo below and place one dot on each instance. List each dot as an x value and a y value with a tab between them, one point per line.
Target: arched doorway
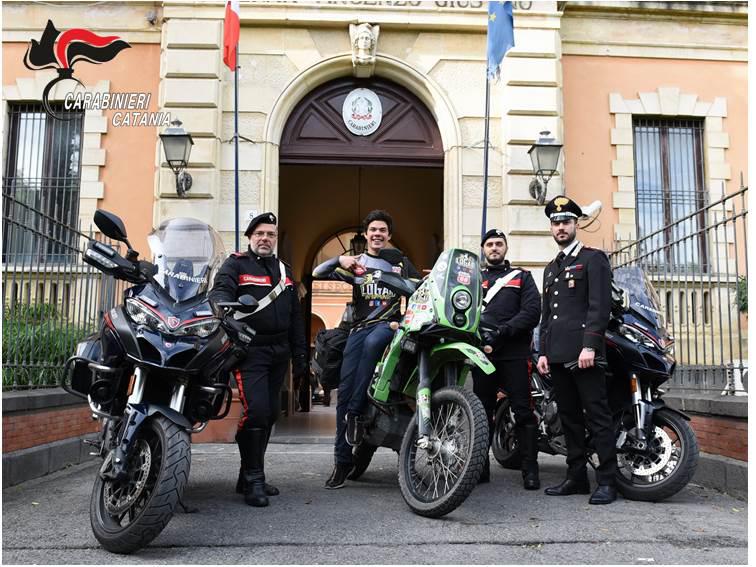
330	178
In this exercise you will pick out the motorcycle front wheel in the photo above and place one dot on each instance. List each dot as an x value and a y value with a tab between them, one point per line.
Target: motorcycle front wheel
666	467
127	515
437	480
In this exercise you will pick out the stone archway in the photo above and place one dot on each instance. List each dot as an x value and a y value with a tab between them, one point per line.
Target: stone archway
398	71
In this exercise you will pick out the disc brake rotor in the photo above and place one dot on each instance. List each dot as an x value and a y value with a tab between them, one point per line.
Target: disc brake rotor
655	459
119	496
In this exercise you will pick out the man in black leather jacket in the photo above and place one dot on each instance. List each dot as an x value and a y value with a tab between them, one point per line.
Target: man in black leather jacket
279	337
511	310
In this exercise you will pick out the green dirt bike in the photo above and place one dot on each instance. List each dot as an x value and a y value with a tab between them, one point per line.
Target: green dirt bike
418	406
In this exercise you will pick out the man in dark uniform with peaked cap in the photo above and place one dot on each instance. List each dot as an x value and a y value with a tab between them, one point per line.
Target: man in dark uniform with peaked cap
279	337
575	314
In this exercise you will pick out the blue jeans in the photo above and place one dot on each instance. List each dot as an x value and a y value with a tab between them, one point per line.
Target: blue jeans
362	352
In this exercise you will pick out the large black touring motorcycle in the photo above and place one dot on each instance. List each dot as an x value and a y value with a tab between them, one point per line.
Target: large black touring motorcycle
657	450
156	372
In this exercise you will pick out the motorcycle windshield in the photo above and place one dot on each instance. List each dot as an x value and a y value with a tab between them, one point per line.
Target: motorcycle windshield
644	300
187	253
454	271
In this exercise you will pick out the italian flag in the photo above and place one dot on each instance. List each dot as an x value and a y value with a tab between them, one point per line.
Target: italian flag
231	33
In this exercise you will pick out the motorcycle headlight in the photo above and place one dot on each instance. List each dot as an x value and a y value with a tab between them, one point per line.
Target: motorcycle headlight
201	329
461	300
638	337
141	315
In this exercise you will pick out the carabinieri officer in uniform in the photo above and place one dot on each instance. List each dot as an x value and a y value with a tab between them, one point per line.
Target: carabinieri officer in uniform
279	337
575	314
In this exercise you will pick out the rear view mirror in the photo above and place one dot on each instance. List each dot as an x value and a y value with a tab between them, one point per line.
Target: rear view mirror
397	283
245	304
110	225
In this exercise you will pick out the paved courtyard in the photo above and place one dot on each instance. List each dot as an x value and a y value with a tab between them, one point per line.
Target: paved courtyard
47	520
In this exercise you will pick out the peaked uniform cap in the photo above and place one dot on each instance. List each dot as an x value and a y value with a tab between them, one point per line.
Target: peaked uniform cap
562	208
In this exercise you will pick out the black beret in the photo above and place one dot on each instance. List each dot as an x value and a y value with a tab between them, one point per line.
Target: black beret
493	233
562	208
267	218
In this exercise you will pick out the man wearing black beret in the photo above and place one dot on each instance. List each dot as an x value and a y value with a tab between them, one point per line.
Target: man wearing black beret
511	309
576	307
279	336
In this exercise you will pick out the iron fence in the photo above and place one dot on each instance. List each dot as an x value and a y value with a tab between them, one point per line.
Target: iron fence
51	298
704	302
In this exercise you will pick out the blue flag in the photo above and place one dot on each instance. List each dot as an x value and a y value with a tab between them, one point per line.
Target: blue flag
500	35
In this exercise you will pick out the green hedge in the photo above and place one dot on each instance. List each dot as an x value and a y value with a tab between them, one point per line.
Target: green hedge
36	344
742	297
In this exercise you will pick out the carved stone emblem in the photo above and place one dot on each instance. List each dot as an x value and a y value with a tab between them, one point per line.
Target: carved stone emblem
364	40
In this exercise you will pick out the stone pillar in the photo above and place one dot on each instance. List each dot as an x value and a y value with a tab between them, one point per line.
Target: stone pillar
531	101
190	89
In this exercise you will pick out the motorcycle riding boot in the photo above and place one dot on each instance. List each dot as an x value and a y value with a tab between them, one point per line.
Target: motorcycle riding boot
270	490
253	441
528	440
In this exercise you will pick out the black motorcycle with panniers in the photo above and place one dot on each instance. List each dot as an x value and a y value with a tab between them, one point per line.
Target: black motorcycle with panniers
155	373
657	449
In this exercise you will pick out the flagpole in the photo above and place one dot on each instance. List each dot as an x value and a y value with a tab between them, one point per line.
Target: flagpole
485	156
236	147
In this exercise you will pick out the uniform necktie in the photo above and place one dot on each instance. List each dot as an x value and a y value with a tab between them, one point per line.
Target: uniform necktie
560	258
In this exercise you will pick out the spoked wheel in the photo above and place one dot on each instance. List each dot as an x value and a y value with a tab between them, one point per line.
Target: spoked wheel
436	480
666	467
504	442
126	515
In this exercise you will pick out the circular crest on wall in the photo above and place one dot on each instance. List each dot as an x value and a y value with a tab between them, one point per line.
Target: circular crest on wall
362	112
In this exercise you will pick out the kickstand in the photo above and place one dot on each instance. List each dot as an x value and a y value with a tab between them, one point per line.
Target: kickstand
187	509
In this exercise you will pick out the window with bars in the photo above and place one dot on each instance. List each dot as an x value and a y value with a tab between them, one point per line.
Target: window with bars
669	190
41	182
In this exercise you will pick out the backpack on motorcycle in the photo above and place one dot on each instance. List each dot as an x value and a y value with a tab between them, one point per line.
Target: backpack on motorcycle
329	352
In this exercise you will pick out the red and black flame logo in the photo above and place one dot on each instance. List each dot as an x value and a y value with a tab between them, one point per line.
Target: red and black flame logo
61	51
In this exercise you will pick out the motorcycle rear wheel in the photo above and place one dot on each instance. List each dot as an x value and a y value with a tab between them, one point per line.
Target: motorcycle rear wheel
435	482
504	442
361	458
126	516
666	468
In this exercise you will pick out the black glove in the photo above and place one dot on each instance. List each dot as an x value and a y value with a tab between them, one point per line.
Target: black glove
490	335
238	331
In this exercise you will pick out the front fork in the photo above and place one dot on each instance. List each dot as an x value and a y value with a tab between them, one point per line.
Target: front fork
424	396
423	400
643	411
134	415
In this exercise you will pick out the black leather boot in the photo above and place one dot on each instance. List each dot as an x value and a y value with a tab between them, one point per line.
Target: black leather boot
270	490
240	481
528	441
252	445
